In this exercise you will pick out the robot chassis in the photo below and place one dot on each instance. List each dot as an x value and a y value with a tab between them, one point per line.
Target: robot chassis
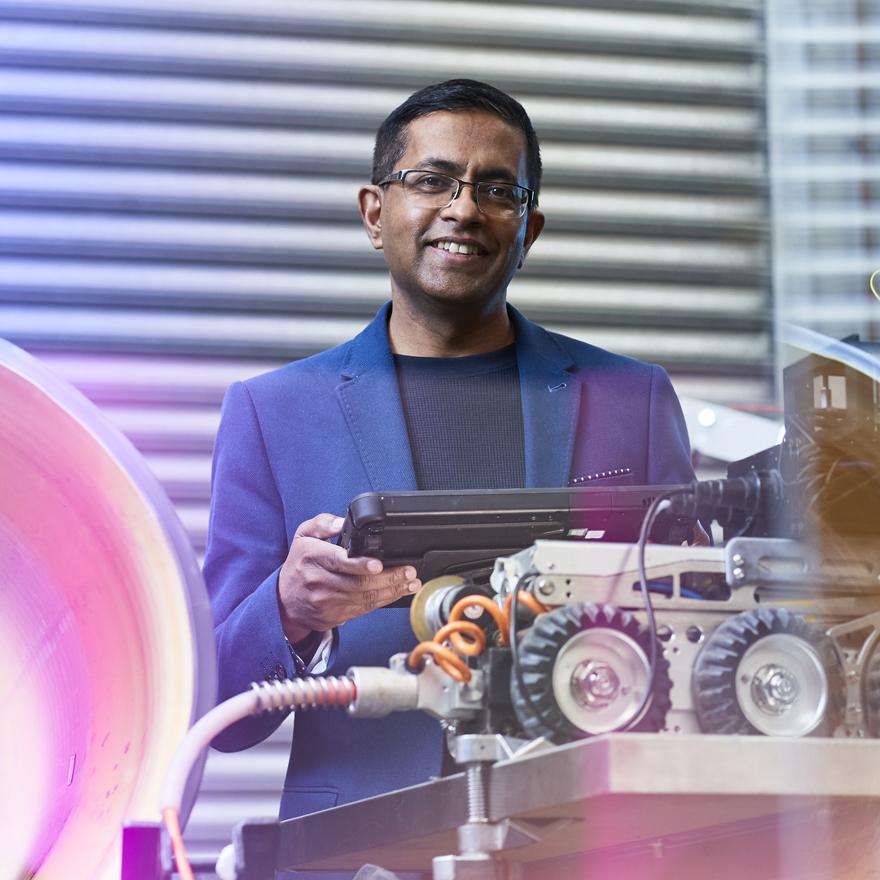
762	637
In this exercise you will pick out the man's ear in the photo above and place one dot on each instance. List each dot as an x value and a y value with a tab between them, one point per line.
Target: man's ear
534	225
370	205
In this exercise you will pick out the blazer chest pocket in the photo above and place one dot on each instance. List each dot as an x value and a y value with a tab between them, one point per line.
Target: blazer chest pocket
302	800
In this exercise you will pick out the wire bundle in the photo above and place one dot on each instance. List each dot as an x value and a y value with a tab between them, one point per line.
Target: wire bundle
462	637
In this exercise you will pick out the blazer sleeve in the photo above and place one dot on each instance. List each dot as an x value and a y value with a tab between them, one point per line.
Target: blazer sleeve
668	448
247	545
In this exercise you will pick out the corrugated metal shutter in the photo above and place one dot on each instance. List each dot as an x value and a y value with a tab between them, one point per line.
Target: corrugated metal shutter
824	130
177	182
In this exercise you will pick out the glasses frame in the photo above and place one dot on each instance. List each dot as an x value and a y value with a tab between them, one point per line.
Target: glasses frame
530	202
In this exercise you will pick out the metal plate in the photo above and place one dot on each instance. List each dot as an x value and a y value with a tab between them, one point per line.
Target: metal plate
613	791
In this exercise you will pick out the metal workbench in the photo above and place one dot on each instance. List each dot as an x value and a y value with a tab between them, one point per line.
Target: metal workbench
661	804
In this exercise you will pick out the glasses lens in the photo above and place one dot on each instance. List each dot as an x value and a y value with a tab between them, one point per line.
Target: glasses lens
502	199
428	188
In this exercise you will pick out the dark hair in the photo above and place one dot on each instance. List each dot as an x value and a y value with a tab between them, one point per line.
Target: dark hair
453	95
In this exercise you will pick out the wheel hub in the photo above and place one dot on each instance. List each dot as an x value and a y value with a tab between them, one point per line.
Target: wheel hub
599	678
775	689
595	684
781	686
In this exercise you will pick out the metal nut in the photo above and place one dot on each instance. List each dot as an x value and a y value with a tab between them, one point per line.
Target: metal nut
545	587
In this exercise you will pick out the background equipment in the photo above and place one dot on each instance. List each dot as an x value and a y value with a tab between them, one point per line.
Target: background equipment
105	632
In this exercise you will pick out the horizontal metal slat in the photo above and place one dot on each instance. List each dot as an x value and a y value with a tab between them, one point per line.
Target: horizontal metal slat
34	186
145	143
303	335
828	128
215	811
834	218
269	57
184	476
254	290
822	170
194	516
61	139
162	429
829	33
109	378
458	23
651	167
836	314
270	103
129	329
842	78
299	244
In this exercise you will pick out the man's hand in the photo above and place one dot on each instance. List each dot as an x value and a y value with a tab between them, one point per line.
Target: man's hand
320	587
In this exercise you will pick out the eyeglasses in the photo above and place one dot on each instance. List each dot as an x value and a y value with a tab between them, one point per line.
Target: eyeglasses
429	189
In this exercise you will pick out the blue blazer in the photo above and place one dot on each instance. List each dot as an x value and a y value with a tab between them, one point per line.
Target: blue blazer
307	438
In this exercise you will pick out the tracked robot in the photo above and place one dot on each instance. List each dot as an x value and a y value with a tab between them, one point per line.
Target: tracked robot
774	633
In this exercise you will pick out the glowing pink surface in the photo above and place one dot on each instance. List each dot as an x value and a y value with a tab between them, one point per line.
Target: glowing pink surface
106	652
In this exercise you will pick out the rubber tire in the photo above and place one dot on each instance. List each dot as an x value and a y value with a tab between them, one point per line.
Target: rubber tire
713	681
537	655
871	690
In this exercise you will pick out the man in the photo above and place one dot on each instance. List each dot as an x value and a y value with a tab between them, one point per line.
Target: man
446	388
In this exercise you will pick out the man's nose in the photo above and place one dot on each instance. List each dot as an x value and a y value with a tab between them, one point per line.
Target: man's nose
464	205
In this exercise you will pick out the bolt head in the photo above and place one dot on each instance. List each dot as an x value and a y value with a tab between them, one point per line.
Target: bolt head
774	689
595	684
545	587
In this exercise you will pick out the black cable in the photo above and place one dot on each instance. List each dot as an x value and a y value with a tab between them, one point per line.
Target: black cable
647	523
750	518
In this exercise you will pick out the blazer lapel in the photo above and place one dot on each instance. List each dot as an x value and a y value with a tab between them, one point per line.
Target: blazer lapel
550	401
370	400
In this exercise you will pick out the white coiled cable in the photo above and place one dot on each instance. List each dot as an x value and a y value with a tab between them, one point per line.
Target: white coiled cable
267	696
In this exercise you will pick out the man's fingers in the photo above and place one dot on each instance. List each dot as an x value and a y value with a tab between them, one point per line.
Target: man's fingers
376	597
323	526
333	559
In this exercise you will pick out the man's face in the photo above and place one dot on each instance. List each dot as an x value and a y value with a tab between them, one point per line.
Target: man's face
473	146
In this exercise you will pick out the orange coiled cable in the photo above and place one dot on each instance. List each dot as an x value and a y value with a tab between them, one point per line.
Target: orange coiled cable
466	637
484	602
444	657
528	600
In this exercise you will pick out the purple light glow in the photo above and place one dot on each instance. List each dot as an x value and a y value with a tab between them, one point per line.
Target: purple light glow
106	651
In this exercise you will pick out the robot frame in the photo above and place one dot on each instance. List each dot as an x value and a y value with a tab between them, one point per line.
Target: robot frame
762	636
774	633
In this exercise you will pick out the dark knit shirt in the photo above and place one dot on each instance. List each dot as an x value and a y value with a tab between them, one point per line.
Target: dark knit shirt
464	418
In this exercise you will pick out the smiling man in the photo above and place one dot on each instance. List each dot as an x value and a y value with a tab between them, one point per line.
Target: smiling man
447	388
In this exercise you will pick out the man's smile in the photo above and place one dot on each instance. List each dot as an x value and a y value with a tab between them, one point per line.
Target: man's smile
460	246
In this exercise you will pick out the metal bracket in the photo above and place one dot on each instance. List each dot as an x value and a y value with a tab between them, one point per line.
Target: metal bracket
141	848
256	843
491	837
853	663
766	562
780	562
491	747
477	866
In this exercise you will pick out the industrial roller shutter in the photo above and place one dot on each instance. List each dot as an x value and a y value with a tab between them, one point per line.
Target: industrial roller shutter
824	136
177	183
